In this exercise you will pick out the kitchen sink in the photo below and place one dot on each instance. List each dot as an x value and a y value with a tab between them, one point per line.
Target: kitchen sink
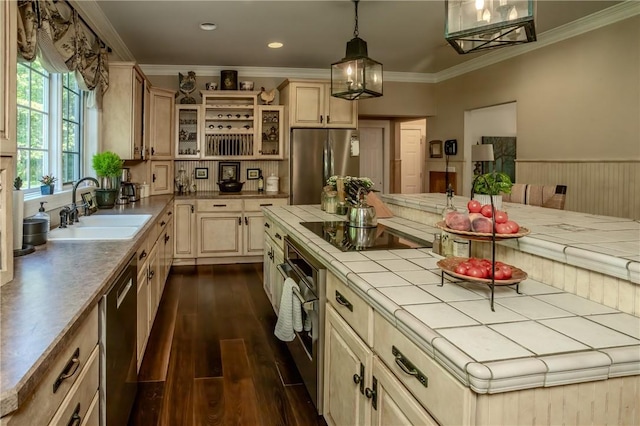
137	220
93	233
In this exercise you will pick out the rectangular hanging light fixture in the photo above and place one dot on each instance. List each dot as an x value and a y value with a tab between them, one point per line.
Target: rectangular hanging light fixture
356	76
472	25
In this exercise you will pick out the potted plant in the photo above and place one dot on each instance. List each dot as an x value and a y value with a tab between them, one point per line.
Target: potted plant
47	186
490	186
108	167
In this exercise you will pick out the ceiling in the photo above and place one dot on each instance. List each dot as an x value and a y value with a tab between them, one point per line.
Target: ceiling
406	36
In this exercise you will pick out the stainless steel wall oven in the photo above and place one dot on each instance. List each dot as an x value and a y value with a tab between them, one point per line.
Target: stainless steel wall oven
307	349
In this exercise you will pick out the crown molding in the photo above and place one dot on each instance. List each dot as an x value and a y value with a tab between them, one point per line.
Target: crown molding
613	14
95	17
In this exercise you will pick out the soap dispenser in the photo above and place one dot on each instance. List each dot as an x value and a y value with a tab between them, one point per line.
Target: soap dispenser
43	215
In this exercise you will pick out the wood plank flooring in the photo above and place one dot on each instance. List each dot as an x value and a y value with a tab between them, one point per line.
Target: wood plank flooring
212	358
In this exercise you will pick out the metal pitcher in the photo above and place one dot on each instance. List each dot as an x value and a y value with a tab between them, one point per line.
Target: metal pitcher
362	215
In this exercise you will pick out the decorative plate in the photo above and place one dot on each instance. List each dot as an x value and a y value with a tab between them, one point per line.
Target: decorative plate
483	236
449	265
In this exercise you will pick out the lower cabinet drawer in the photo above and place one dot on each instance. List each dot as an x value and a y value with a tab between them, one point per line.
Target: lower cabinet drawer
222	205
75	406
255	205
432	385
355	311
40	407
92	418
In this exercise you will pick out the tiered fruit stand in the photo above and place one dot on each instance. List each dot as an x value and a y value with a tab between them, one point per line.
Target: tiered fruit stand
449	264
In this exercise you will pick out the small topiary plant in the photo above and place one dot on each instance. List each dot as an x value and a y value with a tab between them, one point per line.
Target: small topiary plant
107	164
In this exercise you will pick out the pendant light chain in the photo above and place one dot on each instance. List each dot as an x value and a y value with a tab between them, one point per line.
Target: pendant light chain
355	30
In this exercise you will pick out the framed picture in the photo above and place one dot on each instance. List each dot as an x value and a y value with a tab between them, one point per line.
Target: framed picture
435	149
253	174
229	170
202	173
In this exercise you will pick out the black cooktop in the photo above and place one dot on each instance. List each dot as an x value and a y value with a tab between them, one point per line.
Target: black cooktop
348	238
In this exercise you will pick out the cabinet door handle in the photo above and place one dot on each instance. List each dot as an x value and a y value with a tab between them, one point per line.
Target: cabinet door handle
153	178
192	209
153	151
372	394
266	225
169	213
240	221
342	301
75	418
166	238
219	205
359	379
321	118
408	368
278	236
69	369
163	223
246	221
266	204
142	255
328	119
151	273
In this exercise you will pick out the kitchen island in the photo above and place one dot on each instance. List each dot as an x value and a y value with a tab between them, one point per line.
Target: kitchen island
547	355
53	291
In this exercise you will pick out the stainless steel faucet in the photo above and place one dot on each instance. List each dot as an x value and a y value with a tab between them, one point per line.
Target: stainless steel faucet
74	208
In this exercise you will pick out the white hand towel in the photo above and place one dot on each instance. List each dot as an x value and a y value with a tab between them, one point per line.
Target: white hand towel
290	314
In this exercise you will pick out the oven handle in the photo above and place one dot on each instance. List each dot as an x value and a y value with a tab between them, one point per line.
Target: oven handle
306	304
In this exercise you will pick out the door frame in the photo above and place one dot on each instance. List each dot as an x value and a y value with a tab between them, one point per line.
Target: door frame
385	125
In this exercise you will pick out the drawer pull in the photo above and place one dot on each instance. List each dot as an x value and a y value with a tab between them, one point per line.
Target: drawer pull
166	238
278	236
219	205
344	302
75	419
169	213
69	370
151	273
163	223
408	367
266	204
266	225
142	255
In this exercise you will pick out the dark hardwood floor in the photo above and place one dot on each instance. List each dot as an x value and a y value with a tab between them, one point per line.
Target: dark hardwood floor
212	358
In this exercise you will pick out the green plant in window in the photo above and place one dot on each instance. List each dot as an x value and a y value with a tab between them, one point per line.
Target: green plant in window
48	180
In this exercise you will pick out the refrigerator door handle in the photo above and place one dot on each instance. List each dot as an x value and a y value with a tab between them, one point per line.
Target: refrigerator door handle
330	149
327	167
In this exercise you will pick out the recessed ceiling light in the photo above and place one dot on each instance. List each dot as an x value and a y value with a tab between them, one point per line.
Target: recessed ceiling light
208	26
275	45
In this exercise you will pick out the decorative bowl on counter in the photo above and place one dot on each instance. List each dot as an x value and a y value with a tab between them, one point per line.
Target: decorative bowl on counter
230	186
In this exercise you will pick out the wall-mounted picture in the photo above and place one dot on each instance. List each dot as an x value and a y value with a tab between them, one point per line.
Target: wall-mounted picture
229	170
253	174
202	173
435	149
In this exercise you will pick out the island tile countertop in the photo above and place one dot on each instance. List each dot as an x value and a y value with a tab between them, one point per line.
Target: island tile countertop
541	337
53	290
605	244
205	195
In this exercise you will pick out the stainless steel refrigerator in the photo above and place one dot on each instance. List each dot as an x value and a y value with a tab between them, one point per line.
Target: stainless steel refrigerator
317	154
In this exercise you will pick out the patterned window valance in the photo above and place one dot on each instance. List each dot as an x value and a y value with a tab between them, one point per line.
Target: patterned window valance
54	31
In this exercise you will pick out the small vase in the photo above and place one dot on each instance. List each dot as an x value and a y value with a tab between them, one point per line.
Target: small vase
46	189
106	198
486	199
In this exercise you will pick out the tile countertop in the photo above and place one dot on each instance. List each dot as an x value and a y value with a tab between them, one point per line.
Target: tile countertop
541	337
205	195
46	301
605	244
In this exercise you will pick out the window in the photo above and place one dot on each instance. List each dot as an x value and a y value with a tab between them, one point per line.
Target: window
50	122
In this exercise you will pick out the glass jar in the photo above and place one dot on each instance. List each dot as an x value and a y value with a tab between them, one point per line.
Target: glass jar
331	202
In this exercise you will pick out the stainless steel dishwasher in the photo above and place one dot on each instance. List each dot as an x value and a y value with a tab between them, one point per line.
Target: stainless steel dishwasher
118	373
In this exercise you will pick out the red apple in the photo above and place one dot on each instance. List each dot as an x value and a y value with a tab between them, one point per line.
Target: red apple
474	206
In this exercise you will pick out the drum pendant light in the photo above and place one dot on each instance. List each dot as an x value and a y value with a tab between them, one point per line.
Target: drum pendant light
356	76
472	25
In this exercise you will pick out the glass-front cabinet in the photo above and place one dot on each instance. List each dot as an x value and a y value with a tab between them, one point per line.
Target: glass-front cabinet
188	130
270	131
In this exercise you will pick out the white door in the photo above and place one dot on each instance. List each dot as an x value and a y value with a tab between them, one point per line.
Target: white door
372	155
411	160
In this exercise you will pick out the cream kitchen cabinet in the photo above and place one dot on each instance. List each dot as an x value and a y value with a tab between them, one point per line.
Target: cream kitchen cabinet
161	177
270	132
72	376
184	229
8	72
188	131
142	313
273	251
310	104
161	119
123	120
6	216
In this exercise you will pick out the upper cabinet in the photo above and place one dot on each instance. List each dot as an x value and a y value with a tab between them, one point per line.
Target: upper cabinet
159	135
8	31
229	125
310	104
122	111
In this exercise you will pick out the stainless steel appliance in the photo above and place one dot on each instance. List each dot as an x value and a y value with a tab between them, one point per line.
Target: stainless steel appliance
307	348
350	238
316	155
130	192
118	375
